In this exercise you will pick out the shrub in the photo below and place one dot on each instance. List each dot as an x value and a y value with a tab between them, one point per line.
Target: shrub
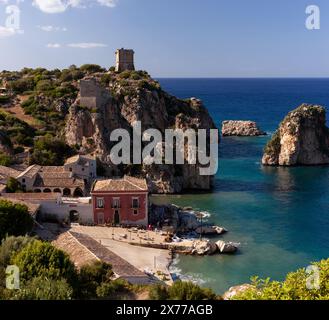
292	288
159	292
91	68
21	85
13	185
41	259
5	160
42	288
49	151
182	290
108	289
14	219
93	275
44	85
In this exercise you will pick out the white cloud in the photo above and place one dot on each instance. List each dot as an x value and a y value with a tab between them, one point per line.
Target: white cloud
51	28
53	45
6	32
58	6
87	45
107	3
50	6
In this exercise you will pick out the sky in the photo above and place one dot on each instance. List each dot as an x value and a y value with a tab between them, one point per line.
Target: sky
171	38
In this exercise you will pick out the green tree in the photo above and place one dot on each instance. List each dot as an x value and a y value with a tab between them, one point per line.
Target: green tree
294	287
14	219
91	276
159	292
13	185
41	259
5	160
50	151
182	290
108	290
40	288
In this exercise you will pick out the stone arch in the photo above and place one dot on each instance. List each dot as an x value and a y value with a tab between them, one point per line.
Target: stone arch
47	190
74	216
78	192
66	192
57	190
37	190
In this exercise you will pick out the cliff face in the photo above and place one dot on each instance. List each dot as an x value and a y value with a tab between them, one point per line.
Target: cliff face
142	100
302	139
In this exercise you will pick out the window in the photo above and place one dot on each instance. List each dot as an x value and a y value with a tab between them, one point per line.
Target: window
116	203
70	169
100	203
83	169
23	180
135	212
135	203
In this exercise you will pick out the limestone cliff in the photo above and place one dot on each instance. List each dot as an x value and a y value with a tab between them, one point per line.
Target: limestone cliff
301	139
136	99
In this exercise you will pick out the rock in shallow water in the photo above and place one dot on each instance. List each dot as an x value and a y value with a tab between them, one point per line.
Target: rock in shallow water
241	128
301	139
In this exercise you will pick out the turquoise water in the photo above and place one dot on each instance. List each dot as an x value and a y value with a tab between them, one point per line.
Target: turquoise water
279	215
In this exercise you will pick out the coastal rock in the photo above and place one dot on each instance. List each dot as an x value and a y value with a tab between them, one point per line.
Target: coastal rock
301	139
210	230
202	248
226	247
124	103
233	291
241	128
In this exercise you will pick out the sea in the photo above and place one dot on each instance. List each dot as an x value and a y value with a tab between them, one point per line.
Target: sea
280	216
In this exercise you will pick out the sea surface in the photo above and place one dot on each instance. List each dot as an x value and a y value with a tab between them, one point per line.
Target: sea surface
279	215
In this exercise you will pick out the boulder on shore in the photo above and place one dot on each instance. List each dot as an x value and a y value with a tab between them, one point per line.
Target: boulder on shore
301	139
226	247
241	128
203	247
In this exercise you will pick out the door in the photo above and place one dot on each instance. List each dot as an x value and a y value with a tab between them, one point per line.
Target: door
100	217
116	217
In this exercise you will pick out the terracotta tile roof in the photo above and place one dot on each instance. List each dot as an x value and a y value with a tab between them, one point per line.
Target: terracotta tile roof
81	159
127	183
58	180
52	169
30	172
6	172
31	196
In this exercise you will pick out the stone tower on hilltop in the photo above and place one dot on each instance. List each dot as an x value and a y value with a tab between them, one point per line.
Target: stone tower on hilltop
124	60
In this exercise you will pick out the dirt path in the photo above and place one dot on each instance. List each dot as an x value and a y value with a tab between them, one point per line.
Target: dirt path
19	113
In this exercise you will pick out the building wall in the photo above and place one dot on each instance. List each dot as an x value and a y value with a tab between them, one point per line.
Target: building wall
26	182
125	211
124	60
61	210
85	172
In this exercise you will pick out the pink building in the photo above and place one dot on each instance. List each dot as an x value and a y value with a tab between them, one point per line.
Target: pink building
120	201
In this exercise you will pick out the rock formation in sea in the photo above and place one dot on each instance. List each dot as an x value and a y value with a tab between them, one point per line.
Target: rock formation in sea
118	103
301	139
241	128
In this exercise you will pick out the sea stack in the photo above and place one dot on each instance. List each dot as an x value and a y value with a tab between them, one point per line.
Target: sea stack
301	139
241	128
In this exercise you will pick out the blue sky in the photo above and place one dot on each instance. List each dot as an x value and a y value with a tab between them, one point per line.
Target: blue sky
171	38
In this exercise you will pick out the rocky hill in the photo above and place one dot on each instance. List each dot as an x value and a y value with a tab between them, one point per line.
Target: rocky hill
57	116
301	139
241	129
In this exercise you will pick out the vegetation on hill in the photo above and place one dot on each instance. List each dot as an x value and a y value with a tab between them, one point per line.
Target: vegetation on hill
294	287
14	219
